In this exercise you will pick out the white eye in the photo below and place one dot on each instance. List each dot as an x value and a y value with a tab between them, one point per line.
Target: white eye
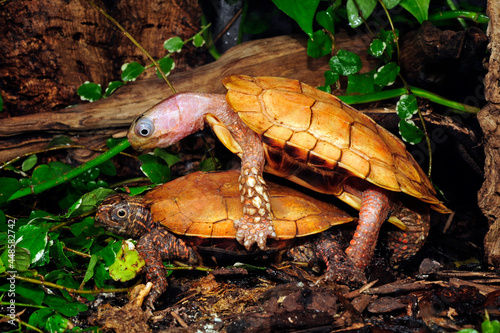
121	213
144	127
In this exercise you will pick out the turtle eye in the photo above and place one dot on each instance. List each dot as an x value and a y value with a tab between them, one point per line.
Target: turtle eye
120	214
144	127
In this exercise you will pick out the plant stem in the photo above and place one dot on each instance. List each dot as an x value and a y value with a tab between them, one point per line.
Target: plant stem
23	323
38	188
453	7
69	290
453	14
386	94
86	255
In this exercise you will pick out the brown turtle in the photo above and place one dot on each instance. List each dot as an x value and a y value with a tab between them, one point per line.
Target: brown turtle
290	129
180	219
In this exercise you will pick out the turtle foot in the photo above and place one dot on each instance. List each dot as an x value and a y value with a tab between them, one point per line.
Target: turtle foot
252	229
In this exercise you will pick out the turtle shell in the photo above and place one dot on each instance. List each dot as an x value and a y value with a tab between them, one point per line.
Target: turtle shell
314	139
206	204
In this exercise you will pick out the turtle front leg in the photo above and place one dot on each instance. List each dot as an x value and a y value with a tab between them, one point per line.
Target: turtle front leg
155	247
257	223
375	207
339	267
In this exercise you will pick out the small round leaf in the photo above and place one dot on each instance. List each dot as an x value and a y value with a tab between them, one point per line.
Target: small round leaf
386	75
198	40
173	44
410	132
90	91
29	163
131	71
345	63
407	106
377	48
320	45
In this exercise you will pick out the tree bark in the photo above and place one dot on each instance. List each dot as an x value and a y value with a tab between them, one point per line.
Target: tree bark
489	119
49	48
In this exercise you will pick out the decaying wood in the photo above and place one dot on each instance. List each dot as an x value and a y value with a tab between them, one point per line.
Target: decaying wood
50	48
489	119
279	56
443	61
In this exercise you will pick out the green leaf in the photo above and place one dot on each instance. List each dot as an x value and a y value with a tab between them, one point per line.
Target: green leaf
325	19
107	168
101	274
131	71
390	40
128	263
198	40
49	171
58	255
88	202
112	142
90	268
360	84
155	169
7	187
19	260
167	64
139	189
34	239
210	164
345	63
173	44
418	8
84	228
108	254
1	103
320	45
61	305
112	86
60	141
386	75
331	77
389	4
410	132
89	91
40	317
28	292
57	323
29	163
407	106
354	7
377	48
171	159
302	11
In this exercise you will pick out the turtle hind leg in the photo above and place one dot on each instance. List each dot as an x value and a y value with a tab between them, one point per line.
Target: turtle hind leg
407	243
375	206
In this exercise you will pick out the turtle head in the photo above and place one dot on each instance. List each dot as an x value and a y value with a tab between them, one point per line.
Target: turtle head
124	215
168	122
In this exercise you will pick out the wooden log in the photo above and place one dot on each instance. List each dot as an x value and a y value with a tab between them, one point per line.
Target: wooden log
279	56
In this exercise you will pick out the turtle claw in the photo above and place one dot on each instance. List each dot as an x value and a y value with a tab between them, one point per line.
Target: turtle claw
251	230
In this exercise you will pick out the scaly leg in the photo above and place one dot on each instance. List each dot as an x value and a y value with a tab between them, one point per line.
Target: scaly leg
257	223
374	210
